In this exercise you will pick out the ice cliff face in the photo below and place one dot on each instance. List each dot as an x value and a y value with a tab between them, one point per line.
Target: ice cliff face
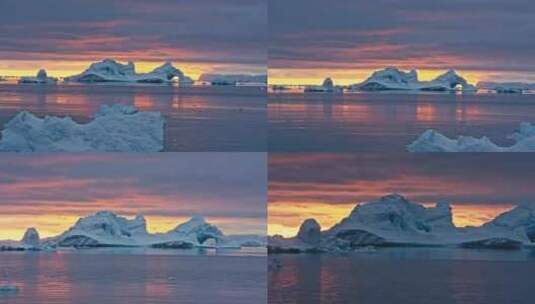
433	141
394	79
115	128
110	70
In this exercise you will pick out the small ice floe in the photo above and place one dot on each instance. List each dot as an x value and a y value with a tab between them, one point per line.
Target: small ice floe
433	141
274	264
8	289
117	128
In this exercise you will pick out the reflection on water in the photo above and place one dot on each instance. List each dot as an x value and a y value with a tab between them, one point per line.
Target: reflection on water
197	118
380	122
405	276
112	277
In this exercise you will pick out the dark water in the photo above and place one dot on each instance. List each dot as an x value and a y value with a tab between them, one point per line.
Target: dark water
222	119
412	276
379	122
144	277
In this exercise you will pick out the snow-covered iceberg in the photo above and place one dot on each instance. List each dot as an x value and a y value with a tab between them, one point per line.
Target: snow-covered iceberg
107	229
394	79
395	221
326	87
110	70
40	78
30	241
433	141
114	128
234	79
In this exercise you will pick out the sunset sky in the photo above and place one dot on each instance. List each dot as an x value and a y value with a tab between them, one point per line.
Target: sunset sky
64	36
50	192
483	39
328	186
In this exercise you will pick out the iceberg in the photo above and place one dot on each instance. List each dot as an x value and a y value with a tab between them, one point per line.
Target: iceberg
109	70
234	79
433	141
107	229
30	241
506	87
40	78
394	79
326	87
393	220
114	128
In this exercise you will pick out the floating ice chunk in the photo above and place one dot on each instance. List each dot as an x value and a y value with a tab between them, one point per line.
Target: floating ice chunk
433	141
115	128
8	289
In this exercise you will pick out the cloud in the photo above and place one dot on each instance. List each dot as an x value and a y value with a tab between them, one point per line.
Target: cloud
228	186
469	35
186	31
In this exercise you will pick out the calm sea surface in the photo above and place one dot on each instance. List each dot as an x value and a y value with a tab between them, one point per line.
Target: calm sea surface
197	118
412	276
138	276
379	122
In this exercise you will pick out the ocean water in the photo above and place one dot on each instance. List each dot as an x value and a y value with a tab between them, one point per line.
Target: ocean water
222	119
379	122
108	276
405	275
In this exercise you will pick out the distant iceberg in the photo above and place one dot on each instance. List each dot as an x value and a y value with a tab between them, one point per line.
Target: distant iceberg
234	79
110	70
40	78
433	141
394	79
393	220
114	128
107	229
506	87
326	87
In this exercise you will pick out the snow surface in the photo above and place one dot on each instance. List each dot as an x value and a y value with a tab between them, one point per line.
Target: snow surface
40	78
394	79
110	70
433	141
395	221
114	128
107	229
233	79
